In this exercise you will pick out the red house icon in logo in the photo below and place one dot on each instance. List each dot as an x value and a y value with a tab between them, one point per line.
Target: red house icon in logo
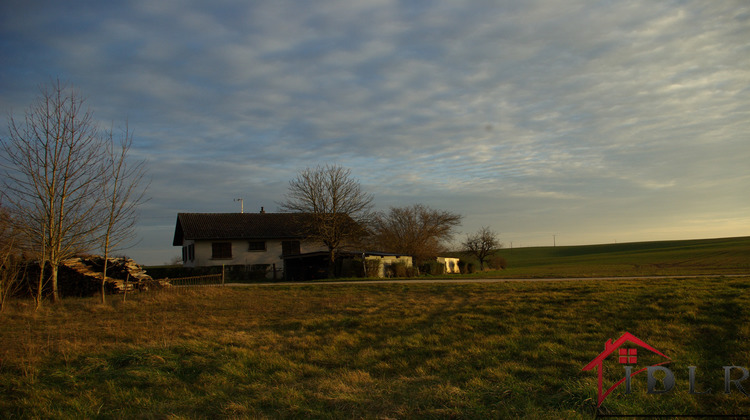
625	352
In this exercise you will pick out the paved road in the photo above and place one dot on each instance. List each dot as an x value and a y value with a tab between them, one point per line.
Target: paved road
465	281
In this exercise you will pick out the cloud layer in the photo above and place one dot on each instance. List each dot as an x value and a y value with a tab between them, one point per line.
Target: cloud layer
591	121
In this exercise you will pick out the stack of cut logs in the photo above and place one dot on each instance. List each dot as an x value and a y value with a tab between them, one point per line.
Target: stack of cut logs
82	276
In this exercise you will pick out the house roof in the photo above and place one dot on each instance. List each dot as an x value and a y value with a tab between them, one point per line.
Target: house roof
207	226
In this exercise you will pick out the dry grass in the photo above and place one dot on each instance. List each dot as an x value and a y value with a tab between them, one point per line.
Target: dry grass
375	351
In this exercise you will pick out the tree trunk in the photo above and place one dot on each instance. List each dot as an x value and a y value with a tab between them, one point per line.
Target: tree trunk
104	281
40	287
55	293
331	262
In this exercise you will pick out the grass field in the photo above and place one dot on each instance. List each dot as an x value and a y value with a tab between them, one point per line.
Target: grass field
500	350
666	258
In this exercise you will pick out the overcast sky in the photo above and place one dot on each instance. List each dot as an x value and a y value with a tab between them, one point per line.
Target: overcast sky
595	122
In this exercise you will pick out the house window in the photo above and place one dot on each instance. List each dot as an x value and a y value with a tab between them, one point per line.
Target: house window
221	250
289	247
257	246
191	252
184	254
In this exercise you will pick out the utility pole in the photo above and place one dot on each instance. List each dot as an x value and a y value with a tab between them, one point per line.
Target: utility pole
554	240
242	204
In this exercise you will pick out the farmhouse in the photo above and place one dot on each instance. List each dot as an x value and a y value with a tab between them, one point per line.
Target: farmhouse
270	243
241	239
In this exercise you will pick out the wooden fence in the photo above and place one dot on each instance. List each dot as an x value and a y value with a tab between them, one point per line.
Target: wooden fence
210	280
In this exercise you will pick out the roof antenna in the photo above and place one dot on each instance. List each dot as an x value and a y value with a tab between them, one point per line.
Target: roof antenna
242	204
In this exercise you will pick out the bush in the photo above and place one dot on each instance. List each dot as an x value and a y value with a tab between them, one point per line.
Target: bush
497	262
177	271
373	268
245	273
399	269
432	268
462	266
232	273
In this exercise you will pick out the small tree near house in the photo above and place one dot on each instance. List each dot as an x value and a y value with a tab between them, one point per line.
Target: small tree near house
122	192
481	244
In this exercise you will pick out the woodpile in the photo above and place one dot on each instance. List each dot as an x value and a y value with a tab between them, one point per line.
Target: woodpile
82	276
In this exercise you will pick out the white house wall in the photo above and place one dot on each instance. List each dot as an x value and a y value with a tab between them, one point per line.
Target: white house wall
241	255
451	264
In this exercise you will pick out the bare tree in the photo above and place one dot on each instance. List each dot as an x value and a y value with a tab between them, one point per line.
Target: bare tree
336	206
122	192
52	178
415	230
10	258
481	244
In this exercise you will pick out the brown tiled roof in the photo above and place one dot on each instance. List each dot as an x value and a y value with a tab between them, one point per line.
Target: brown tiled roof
238	226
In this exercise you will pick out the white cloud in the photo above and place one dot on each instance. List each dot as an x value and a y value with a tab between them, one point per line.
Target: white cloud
605	117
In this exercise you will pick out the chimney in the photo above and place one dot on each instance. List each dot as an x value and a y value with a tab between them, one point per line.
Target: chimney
262	211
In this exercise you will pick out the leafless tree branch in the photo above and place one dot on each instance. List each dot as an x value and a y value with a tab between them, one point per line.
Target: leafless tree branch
337	207
481	244
55	165
415	230
123	190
